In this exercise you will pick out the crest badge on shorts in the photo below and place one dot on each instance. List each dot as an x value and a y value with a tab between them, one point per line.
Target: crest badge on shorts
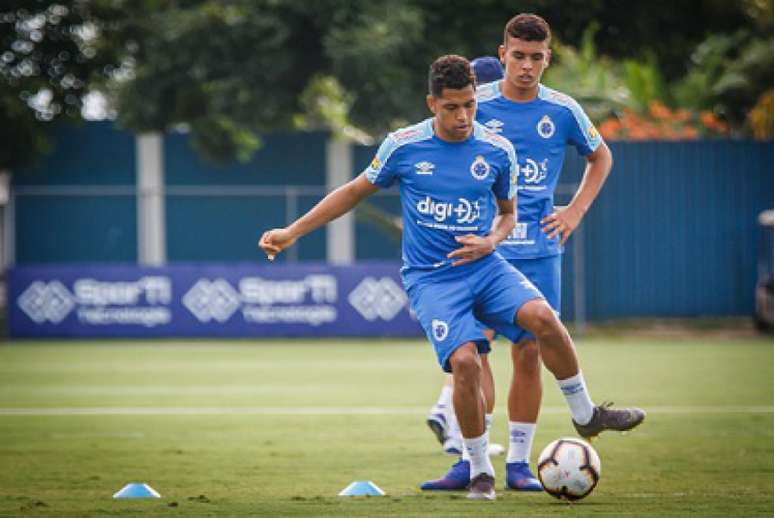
479	168
545	127
440	330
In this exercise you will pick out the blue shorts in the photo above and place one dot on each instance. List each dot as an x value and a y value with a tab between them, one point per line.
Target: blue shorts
546	274
455	305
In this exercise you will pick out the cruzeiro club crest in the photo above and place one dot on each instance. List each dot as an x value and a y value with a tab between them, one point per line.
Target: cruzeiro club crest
545	127
440	330
479	168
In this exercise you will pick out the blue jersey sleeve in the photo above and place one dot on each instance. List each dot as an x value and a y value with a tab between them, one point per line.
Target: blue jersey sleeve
507	166
383	171
508	171
505	185
582	134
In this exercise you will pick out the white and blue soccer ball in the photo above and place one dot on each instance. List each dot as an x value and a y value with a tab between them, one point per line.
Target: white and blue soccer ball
569	468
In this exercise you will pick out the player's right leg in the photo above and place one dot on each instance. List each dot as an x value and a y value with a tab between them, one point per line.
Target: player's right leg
470	408
445	311
442	421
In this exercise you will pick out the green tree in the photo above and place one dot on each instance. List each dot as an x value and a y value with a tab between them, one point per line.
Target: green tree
229	70
48	56
730	73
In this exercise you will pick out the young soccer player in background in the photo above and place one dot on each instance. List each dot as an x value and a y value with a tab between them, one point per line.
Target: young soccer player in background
540	123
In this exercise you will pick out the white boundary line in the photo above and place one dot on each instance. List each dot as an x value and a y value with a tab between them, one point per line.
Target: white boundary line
333	411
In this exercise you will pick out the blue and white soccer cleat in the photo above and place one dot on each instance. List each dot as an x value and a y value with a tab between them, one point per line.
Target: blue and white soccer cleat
456	479
519	478
437	423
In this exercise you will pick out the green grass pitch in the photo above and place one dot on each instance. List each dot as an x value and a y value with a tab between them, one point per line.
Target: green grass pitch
279	428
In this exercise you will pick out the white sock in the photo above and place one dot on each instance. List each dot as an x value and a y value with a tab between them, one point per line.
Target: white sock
520	442
487	426
444	403
577	396
479	457
465	453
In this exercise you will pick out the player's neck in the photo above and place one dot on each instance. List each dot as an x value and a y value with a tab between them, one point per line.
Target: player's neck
449	137
517	94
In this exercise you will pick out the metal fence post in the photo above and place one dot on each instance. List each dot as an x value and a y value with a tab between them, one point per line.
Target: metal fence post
151	221
340	238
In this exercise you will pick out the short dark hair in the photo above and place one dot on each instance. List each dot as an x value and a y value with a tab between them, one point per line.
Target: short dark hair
527	27
450	71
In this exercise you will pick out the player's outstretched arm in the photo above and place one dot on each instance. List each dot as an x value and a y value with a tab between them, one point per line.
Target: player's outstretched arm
335	204
563	221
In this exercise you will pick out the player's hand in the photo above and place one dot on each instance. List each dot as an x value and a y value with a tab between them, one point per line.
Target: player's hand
562	222
275	241
473	248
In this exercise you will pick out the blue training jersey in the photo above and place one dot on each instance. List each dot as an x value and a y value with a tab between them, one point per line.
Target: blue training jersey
539	131
446	188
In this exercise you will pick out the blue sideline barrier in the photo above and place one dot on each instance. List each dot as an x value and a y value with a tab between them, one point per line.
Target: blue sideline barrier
241	300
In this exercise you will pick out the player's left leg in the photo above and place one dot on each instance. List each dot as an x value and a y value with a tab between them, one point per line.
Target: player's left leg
558	353
511	304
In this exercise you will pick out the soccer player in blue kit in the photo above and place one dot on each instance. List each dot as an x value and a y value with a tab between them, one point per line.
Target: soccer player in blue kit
539	122
457	186
441	419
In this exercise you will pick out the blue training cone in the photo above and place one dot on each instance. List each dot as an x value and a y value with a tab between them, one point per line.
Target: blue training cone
137	490
362	488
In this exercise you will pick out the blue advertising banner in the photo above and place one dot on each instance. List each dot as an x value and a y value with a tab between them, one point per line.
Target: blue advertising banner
209	300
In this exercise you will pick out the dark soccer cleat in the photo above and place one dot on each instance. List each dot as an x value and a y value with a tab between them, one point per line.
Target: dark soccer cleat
482	487
607	418
519	478
438	425
456	479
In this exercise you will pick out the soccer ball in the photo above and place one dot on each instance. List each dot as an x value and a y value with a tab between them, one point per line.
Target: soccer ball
569	468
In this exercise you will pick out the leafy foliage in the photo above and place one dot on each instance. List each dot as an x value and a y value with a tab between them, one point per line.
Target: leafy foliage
729	75
229	70
596	82
47	58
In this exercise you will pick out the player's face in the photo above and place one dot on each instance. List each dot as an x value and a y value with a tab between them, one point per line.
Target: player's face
454	112
525	61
